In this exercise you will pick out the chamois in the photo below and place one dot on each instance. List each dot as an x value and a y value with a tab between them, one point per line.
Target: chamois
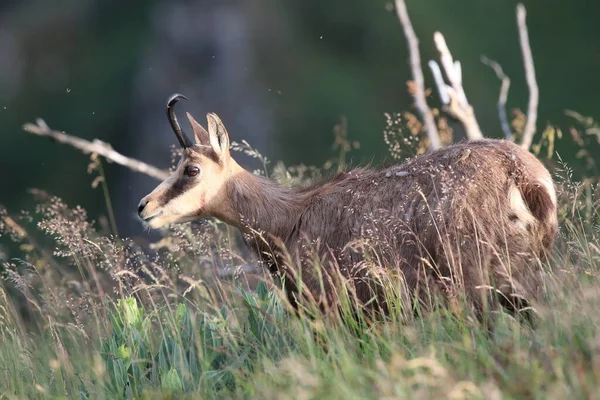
474	216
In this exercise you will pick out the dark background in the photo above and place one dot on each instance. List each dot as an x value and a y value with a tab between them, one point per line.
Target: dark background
279	73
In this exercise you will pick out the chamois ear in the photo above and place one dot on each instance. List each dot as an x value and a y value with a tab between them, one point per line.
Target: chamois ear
200	134
219	138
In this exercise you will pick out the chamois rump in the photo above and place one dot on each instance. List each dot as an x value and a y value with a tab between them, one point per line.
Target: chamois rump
474	218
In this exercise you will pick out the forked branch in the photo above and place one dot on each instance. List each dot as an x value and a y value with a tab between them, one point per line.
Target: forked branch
529	130
99	147
417	72
453	96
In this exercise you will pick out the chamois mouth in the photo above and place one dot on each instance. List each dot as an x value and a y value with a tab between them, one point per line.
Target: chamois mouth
150	218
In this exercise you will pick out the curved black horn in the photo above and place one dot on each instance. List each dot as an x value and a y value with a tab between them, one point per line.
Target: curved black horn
184	141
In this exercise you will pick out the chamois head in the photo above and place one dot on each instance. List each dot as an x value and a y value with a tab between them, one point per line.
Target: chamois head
197	186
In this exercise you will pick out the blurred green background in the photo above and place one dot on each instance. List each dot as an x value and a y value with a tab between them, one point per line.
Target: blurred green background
279	73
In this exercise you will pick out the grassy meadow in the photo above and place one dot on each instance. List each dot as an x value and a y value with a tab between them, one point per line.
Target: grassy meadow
85	314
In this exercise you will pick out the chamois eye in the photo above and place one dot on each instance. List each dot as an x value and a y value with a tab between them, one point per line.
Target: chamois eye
190	170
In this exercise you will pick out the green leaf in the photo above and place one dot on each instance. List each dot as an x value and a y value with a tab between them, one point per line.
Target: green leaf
172	381
124	353
130	313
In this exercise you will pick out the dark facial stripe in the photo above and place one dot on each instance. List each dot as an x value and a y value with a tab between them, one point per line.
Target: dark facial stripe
182	185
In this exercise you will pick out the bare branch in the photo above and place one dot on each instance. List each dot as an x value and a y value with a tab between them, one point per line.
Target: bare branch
415	65
503	94
453	96
40	128
529	130
439	81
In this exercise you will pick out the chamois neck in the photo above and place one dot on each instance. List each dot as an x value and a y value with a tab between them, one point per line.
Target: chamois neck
261	204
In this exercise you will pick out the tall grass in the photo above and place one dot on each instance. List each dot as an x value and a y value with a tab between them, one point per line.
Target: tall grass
84	314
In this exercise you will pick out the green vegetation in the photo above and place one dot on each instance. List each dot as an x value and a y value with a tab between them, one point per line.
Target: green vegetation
96	317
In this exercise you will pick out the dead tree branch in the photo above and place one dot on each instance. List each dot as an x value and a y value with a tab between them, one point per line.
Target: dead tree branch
417	72
503	96
40	128
453	96
529	130
439	82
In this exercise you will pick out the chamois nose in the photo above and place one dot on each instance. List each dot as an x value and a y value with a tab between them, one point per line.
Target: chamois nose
141	206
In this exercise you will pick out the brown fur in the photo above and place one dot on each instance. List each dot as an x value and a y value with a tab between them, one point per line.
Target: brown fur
474	218
443	220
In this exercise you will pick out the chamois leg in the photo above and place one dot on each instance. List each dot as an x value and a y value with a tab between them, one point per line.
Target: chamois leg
495	289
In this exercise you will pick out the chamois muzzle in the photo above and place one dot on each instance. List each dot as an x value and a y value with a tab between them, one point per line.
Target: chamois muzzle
183	139
141	206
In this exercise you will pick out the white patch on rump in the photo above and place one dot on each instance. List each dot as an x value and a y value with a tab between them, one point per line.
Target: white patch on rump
519	208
